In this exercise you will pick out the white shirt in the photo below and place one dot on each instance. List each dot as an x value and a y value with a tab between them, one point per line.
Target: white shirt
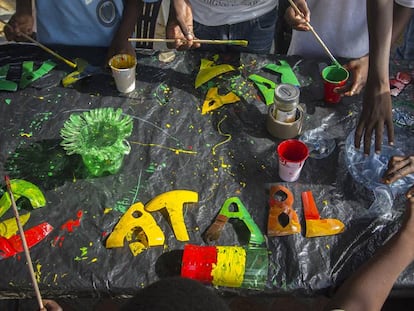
227	12
342	26
406	3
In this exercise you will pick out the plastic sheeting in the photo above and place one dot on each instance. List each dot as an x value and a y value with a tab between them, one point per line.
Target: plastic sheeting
222	154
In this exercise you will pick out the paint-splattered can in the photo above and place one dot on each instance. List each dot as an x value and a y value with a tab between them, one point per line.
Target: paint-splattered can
286	102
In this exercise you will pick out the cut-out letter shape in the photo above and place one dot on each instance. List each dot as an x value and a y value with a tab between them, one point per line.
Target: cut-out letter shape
266	87
139	224
315	226
83	70
174	201
29	76
283	219
287	74
214	100
22	188
6	85
240	212
208	71
9	226
14	245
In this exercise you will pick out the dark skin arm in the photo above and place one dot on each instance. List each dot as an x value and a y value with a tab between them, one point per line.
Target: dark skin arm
21	22
180	25
120	43
376	112
369	286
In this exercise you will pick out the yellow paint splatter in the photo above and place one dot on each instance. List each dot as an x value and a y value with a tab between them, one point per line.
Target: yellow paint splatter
94	260
38	273
26	134
223	134
177	151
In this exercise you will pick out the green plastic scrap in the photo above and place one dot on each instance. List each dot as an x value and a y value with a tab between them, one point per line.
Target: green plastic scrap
6	85
266	87
287	74
256	236
29	76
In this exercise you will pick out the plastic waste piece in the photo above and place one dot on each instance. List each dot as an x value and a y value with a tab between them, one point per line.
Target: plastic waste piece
266	87
135	220
214	100
99	136
6	85
209	70
29	76
174	201
282	219
287	74
229	266
13	245
83	70
315	226
368	170
22	188
240	212
9	226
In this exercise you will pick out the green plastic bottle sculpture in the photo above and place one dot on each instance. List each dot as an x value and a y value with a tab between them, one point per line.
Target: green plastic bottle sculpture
99	136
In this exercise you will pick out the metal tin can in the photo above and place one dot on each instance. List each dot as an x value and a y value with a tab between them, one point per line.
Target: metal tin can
286	102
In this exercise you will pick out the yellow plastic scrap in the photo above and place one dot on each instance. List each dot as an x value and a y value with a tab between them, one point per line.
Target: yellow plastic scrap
208	70
174	201
9	226
135	222
22	188
214	100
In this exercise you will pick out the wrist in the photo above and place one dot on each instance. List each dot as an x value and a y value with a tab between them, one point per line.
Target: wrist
24	7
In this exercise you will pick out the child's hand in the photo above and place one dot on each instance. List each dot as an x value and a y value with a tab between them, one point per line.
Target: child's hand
398	167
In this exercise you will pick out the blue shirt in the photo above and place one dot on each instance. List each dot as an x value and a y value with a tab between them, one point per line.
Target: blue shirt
78	22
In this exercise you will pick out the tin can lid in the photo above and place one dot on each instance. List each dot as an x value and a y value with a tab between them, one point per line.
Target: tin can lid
286	96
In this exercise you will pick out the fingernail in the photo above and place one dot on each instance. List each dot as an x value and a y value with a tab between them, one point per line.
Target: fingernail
391	143
378	151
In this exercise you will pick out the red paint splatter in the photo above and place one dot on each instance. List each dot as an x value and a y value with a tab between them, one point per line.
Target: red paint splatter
58	241
104	233
70	224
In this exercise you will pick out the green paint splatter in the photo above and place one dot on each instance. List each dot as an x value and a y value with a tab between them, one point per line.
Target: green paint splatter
8	101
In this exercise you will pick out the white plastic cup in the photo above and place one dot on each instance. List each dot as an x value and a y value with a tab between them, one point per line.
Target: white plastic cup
292	155
123	70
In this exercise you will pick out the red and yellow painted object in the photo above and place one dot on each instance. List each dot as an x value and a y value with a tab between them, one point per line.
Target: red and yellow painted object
315	226
228	266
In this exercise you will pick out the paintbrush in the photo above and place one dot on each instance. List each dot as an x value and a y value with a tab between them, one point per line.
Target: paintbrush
45	48
230	42
24	242
316	35
213	232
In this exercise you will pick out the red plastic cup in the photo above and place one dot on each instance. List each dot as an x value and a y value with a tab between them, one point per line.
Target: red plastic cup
333	76
292	155
197	262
